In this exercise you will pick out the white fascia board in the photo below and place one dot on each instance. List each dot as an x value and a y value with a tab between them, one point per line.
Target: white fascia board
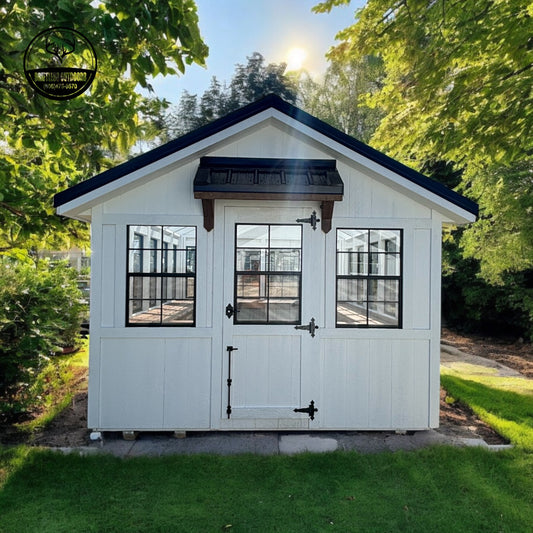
455	213
75	207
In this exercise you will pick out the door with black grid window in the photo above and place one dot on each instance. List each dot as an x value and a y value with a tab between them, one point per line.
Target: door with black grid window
274	308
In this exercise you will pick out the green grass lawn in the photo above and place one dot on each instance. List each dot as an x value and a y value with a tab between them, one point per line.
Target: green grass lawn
431	490
505	403
436	489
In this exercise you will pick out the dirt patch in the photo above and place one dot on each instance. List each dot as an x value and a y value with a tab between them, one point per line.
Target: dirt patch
458	420
68	429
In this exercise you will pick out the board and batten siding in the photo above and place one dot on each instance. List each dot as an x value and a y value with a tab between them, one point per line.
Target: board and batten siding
170	378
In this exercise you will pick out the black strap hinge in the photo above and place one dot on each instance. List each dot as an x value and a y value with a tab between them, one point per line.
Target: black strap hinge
310	410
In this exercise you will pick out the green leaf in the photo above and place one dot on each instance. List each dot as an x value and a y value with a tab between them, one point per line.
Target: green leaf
49	145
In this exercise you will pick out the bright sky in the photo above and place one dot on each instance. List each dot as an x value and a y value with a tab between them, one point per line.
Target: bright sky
234	29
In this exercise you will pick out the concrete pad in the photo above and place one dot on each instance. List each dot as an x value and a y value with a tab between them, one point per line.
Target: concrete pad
419	439
500	447
218	443
291	444
273	442
363	441
474	442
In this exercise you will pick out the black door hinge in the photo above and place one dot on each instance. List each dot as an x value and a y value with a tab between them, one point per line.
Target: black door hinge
311	327
311	220
310	410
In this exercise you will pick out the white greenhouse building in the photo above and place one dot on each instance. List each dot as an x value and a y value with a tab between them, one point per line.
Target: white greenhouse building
264	272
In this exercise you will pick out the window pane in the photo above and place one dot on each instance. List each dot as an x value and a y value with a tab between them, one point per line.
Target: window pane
287	286
285	236
178	312
251	286
380	290
177	288
136	261
379	315
144	312
351	313
351	289
352	248
284	311
167	295
139	261
384	240
252	236
391	290
369	261
285	260
352	239
137	288
251	260
252	309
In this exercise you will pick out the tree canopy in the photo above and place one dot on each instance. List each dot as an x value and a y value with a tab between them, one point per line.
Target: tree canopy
456	72
48	145
457	94
338	98
249	83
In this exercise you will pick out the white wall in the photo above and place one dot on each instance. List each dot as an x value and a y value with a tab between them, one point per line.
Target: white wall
170	378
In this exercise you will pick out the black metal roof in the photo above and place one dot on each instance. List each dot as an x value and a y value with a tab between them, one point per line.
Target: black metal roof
275	102
248	175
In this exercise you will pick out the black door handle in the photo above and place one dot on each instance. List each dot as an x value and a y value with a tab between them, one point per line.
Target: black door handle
230	311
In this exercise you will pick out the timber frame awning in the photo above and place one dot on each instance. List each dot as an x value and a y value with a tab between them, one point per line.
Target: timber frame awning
246	178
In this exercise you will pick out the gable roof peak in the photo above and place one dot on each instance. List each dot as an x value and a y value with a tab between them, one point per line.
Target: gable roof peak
270	101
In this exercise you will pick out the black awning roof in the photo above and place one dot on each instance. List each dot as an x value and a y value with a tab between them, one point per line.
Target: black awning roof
248	178
255	178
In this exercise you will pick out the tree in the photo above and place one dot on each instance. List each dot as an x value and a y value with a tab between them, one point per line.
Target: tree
249	83
458	92
255	80
49	145
338	98
456	72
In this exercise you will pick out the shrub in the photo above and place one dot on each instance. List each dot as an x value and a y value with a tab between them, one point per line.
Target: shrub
471	304
40	313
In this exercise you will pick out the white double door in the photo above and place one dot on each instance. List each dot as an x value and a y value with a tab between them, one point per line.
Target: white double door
273	281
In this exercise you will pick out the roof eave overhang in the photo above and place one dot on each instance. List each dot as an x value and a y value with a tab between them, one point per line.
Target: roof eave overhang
282	179
459	211
78	200
87	200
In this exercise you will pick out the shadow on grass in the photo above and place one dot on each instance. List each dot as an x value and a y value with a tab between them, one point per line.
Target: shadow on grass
509	413
426	490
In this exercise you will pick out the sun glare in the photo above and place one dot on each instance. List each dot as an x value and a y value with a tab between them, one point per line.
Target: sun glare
295	58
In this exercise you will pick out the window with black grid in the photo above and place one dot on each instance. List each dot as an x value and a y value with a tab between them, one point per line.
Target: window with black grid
161	276
268	273
369	278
